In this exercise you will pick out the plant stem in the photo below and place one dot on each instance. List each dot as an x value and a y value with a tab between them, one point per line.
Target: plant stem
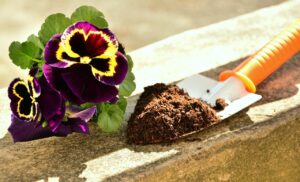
36	60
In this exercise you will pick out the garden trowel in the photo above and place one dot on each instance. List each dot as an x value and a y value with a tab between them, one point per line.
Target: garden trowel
238	86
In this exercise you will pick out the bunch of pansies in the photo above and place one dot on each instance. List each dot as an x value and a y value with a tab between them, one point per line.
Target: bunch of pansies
78	71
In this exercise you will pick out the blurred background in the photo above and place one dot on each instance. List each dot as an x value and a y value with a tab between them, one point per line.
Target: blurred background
136	23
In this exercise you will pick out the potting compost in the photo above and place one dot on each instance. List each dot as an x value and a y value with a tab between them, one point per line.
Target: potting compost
164	113
220	104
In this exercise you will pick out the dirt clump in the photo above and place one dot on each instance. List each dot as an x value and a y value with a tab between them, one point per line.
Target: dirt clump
220	104
164	113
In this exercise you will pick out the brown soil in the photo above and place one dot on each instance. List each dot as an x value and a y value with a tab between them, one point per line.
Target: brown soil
220	104
165	113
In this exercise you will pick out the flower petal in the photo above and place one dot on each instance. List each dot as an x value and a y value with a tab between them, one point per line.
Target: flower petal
75	44
82	25
54	78
86	40
37	89
72	125
55	54
23	104
82	83
88	27
51	103
51	49
62	64
121	49
55	122
63	129
114	100
79	126
112	71
97	43
111	35
85	115
33	71
22	131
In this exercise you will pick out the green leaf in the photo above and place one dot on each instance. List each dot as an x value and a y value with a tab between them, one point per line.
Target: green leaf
90	14
36	41
130	63
122	103
53	24
110	118
128	85
40	72
24	54
99	22
86	105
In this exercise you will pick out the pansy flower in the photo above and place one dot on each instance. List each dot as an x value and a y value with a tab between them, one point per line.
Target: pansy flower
85	63
39	111
23	95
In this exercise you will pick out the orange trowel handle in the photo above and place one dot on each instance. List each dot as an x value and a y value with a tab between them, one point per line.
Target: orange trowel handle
268	59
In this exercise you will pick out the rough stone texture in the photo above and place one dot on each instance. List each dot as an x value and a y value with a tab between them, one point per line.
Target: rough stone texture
261	143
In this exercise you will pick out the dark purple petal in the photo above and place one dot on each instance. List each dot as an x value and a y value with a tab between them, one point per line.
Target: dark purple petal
38	117
56	55
63	129
77	125
83	84
36	87
51	49
33	71
51	103
55	122
119	72
54	78
121	48
85	115
72	125
23	131
114	100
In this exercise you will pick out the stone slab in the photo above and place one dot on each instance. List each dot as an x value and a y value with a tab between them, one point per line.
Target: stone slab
260	143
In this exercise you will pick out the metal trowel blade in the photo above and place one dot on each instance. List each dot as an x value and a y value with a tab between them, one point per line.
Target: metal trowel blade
197	86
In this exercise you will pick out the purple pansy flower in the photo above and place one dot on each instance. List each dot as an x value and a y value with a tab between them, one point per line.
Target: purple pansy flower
34	102
85	63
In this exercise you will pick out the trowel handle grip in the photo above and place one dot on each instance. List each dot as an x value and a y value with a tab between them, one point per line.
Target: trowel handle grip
268	59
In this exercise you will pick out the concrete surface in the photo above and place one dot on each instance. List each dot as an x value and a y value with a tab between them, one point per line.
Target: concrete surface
137	23
260	143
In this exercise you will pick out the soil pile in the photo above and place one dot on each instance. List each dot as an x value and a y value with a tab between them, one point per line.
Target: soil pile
164	113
